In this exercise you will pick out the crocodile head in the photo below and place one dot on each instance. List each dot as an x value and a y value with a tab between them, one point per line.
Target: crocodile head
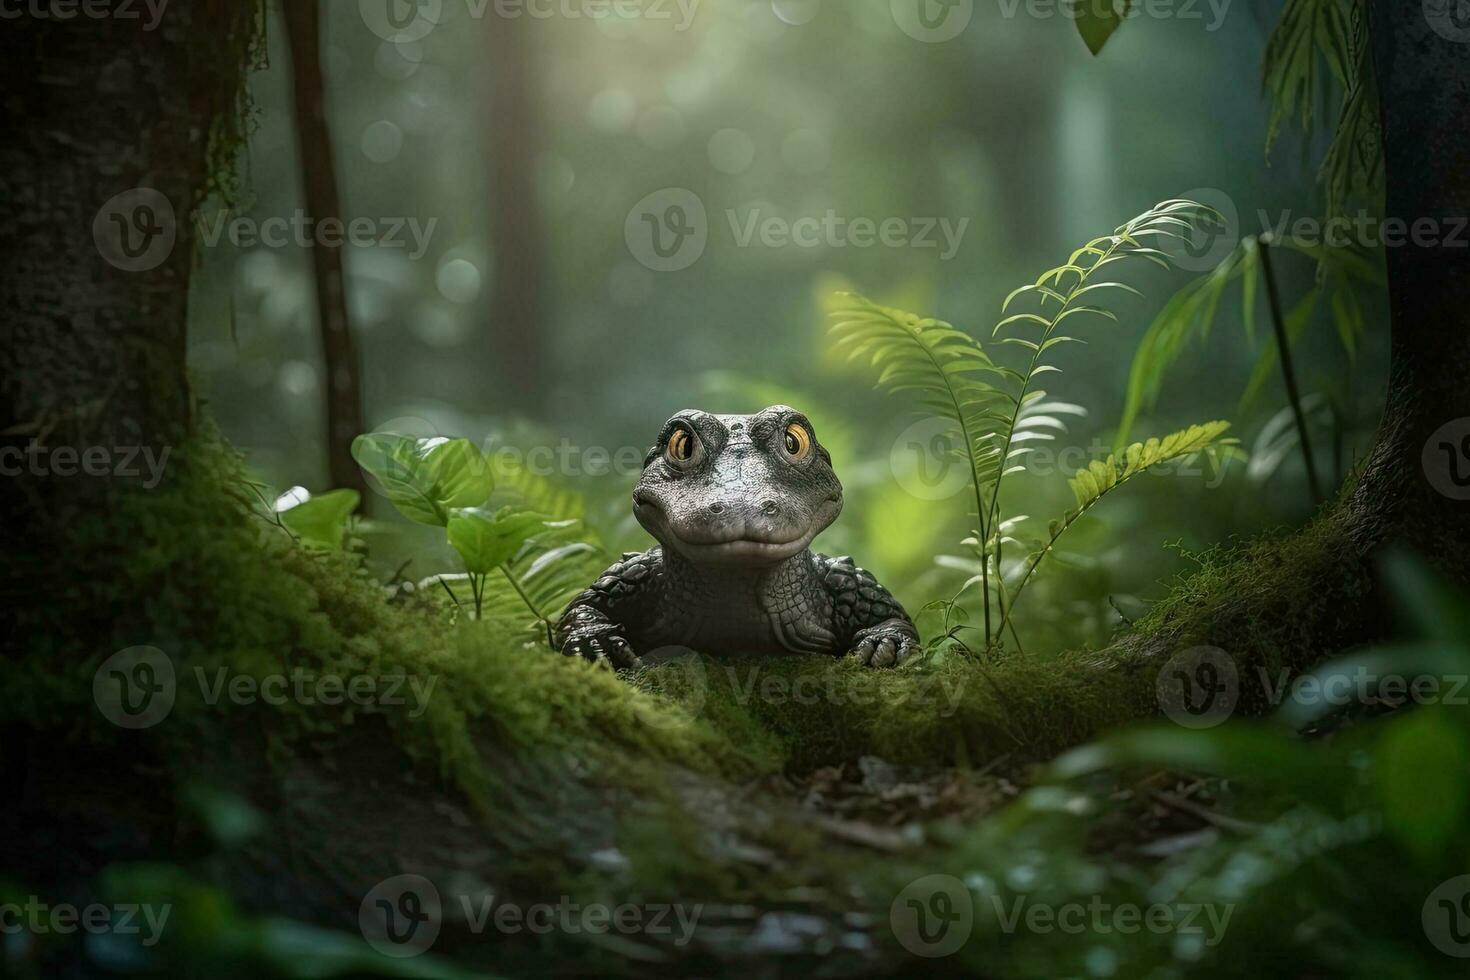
737	489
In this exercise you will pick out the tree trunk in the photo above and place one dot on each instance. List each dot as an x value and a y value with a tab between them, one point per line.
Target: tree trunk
517	343
341	372
1409	482
110	138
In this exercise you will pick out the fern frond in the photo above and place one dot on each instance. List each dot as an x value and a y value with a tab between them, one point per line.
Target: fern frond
1102	477
518	485
947	370
1191	312
1319	47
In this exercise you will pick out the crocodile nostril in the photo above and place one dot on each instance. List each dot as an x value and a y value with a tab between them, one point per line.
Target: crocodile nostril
768	506
716	508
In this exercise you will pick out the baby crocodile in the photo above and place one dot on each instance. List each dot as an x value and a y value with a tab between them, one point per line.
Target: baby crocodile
735	501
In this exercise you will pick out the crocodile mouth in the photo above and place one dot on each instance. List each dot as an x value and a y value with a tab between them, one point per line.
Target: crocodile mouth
742	550
746	546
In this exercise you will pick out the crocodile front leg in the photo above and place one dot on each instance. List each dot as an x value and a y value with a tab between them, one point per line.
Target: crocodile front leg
607	622
869	622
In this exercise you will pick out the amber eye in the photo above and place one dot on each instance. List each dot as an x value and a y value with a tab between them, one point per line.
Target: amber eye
798	441
681	445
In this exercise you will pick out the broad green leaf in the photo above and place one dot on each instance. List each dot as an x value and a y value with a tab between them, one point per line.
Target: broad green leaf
322	520
425	478
487	540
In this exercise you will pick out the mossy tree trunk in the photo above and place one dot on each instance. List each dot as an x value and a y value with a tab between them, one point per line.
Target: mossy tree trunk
114	129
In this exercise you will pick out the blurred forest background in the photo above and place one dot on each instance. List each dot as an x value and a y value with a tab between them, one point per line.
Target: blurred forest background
789	108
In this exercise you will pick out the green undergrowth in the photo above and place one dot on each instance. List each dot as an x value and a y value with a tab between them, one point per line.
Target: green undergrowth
231	601
962	712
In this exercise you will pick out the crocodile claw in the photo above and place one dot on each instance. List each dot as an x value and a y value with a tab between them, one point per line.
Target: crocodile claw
886	645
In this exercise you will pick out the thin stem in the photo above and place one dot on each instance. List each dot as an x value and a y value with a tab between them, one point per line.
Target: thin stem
980	508
505	570
1283	349
1005	452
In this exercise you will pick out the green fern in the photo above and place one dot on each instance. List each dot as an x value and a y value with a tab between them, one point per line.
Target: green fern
1102	477
1318	50
995	412
1191	312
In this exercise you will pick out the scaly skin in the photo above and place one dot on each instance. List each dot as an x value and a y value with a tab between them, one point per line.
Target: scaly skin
733	572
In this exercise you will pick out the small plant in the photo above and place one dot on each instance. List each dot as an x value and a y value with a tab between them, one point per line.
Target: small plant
513	556
995	412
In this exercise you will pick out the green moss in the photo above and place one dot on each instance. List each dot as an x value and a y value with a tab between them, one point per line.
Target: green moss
230	599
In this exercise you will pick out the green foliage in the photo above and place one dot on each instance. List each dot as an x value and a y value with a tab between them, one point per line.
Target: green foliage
425	478
322	519
1318	50
1096	22
514	557
1191	312
993	412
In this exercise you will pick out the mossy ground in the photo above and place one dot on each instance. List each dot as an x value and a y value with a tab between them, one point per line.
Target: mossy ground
521	766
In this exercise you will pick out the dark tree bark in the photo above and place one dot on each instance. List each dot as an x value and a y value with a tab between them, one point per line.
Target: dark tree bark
1424	90
517	342
342	373
93	285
